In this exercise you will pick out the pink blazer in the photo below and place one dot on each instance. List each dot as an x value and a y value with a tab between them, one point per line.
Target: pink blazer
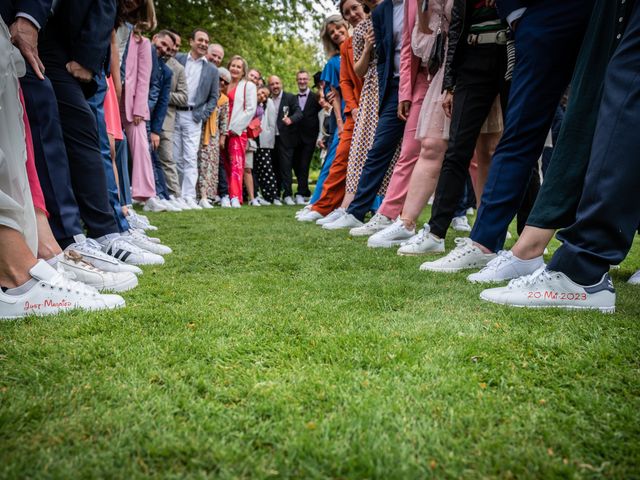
137	78
409	63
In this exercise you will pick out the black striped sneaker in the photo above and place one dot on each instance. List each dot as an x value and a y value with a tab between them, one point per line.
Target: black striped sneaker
125	251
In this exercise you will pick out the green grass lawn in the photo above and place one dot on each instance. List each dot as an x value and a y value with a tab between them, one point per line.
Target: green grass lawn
269	348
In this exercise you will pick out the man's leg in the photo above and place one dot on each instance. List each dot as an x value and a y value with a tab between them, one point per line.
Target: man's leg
399	186
191	142
285	164
122	164
302	162
165	155
605	226
544	65
388	135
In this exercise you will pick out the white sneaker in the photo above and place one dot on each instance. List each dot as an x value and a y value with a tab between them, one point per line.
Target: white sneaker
289	201
300	200
139	239
545	288
393	235
124	250
182	203
191	203
263	202
255	203
332	217
310	216
506	266
154	205
345	221
71	261
460	224
635	278
470	211
303	211
171	205
53	292
277	202
204	203
225	202
375	224
235	203
139	221
92	253
466	255
421	243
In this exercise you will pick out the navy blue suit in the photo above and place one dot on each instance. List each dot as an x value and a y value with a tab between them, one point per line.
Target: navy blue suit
548	38
506	7
38	9
609	210
390	127
159	92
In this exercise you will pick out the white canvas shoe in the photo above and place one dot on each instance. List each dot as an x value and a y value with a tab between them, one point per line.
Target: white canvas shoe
205	204
124	250
506	266
71	262
51	291
154	205
303	211
182	203
310	216
545	288
345	221
139	221
235	203
461	224
300	200
393	235
169	205
470	211
263	202
225	202
277	202
191	203
255	203
332	217
289	201
635	278
92	253
421	243
466	255
139	239
375	224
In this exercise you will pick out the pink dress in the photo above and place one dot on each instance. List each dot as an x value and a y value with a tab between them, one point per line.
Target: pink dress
112	111
236	154
433	123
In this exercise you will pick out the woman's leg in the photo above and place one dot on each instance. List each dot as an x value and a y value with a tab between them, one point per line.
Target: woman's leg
485	146
248	183
532	242
16	259
47	245
423	179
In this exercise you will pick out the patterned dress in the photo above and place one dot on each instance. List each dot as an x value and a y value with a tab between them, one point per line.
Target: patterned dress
367	121
209	153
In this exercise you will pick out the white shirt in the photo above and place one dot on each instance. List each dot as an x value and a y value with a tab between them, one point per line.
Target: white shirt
193	71
398	21
276	103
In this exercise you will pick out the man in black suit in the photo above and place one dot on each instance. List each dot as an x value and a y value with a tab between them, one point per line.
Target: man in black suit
307	135
289	115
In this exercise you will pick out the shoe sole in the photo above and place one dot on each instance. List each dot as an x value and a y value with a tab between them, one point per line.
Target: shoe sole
122	287
20	317
563	307
385	245
419	254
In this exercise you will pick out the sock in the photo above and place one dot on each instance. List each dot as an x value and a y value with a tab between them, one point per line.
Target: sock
24	288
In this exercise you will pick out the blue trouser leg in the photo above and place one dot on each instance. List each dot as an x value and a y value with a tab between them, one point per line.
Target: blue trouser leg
122	164
548	39
326	166
161	184
51	159
609	210
388	135
96	103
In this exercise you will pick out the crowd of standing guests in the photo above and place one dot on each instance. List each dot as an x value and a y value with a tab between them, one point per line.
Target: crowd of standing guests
449	100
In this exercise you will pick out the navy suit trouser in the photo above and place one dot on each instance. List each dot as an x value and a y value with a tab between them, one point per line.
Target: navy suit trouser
548	39
96	103
609	210
388	136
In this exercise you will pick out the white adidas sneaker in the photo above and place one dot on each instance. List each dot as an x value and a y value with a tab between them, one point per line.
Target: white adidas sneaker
466	255
50	292
506	266
394	234
72	262
375	224
139	239
92	253
545	288
124	250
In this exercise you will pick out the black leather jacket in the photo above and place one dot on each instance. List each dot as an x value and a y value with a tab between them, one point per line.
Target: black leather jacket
457	34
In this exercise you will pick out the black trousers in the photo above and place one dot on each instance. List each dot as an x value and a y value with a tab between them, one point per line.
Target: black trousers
283	164
302	156
480	78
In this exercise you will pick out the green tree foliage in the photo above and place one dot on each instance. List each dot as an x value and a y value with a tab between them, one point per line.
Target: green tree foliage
275	36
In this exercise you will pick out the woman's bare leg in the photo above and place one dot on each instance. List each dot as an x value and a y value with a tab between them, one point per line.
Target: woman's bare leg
47	244
346	201
15	258
532	242
248	183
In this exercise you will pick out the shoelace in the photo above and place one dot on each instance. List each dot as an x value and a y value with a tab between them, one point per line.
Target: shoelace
464	247
76	257
539	275
64	281
116	243
417	239
89	245
503	257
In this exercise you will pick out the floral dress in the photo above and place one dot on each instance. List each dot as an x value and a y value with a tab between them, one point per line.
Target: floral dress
209	153
367	120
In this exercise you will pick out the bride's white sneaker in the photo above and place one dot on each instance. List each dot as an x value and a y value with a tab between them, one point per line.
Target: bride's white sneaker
393	235
545	288
506	266
466	255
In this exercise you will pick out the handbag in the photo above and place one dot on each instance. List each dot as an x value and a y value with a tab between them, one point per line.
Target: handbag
436	58
255	128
